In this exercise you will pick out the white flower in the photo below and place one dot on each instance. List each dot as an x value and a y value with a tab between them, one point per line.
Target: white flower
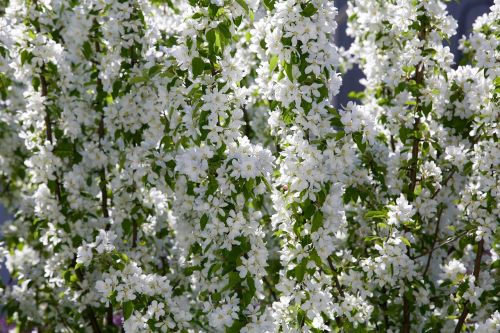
104	241
105	287
401	212
156	310
84	255
136	323
453	270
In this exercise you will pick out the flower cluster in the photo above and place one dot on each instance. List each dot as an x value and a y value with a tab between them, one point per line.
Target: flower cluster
178	166
426	134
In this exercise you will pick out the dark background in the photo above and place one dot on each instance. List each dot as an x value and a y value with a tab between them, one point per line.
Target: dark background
465	12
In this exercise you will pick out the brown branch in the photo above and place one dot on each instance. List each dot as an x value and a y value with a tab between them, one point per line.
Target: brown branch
50	137
384	308
434	240
246	118
444	243
445	183
47	118
92	318
102	177
44	92
101	133
62	317
102	172
479	256
134	233
452	173
414	162
109	315
477	269
335	278
419	79
393	143
270	287
338	319
411	194
48	126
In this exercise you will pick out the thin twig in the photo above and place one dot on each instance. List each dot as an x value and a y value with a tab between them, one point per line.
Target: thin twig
270	287
101	134
434	240
414	161
452	172
477	269
335	278
338	319
134	233
246	118
90	312
450	240
419	79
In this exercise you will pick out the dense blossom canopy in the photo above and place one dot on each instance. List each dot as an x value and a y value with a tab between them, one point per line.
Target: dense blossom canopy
178	166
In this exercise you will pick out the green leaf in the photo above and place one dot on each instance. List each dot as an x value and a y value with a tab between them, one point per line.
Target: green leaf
87	50
198	66
495	264
127	226
128	308
315	257
64	148
406	241
269	4
358	138
248	294
382	225
356	95
237	20
211	38
154	70
408	69
67	275
236	327
224	29
309	10
203	221
25	57
234	279
375	214
243	4
137	79
300	270
273	62
215	267
317	221
289	71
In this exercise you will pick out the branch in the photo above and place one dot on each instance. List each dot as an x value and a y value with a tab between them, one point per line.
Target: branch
101	133
452	173
477	269
248	129
338	320
335	278
90	312
414	161
270	287
434	240
419	79
134	233
109	315
445	242
48	125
